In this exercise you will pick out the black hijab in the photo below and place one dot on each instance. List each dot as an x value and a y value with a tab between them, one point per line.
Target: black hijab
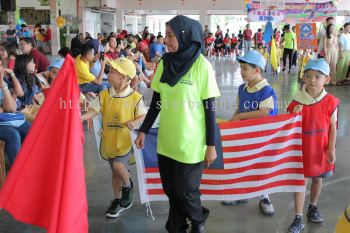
189	35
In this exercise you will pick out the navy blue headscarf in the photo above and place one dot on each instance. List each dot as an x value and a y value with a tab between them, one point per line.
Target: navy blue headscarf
189	34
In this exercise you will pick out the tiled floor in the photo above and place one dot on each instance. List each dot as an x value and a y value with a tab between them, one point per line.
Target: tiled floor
223	219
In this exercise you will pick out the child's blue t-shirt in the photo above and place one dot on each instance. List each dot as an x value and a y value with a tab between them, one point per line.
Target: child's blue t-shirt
251	101
155	47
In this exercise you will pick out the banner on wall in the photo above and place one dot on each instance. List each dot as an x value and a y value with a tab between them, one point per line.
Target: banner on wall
293	12
44	2
306	36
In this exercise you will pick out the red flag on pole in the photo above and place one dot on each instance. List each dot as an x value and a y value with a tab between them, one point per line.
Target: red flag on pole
46	184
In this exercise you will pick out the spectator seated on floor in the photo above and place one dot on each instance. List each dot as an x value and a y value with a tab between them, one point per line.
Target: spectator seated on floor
105	49
13	126
8	54
87	81
121	44
112	52
26	45
129	52
209	43
227	45
218	45
131	42
29	104
46	78
146	67
157	49
96	64
63	52
142	44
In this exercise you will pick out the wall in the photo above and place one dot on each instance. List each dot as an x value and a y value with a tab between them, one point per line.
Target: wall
92	23
66	6
70	6
176	4
107	23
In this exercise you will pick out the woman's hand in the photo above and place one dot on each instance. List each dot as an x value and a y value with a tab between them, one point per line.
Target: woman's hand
210	155
2	82
140	140
9	71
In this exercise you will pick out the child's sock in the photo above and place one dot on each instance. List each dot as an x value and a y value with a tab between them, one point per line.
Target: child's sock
127	185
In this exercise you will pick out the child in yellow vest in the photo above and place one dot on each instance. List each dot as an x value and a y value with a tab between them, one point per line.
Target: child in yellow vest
122	110
305	57
343	225
262	50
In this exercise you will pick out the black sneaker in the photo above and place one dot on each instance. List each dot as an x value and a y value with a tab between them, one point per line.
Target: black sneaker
126	201
313	214
114	209
297	225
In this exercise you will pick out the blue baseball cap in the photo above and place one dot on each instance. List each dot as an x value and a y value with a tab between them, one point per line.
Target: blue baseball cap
253	57
56	63
319	65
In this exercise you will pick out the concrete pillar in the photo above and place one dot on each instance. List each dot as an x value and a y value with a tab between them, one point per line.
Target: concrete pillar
209	21
119	19
55	41
81	17
347	19
203	17
144	21
134	25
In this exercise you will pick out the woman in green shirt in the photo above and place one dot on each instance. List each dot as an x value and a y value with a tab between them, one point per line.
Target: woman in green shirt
289	46
184	93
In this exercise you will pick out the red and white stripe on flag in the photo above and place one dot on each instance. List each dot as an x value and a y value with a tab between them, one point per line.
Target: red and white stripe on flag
260	156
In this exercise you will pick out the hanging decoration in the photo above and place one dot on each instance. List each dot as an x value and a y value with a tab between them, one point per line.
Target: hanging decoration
60	21
19	23
291	12
140	2
247	4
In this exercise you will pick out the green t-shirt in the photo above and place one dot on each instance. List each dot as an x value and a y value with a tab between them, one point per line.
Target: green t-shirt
181	133
289	39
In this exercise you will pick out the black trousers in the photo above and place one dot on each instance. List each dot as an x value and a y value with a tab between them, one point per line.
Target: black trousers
289	53
181	184
295	58
217	49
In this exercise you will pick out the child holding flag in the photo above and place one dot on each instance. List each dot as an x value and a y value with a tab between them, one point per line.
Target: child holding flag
122	110
319	110
256	98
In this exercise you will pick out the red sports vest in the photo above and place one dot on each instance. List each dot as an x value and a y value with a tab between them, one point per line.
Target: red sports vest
315	130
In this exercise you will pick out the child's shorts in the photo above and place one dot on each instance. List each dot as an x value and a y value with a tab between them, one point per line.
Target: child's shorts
327	174
121	159
324	175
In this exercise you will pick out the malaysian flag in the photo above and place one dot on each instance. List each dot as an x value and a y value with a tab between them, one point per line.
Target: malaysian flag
255	157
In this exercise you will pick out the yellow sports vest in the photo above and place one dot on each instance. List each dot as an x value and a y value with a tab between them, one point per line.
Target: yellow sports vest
116	111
